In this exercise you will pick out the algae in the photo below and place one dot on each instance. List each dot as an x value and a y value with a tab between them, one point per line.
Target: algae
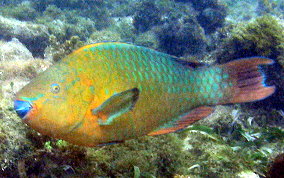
147	39
262	37
104	36
57	51
23	11
66	23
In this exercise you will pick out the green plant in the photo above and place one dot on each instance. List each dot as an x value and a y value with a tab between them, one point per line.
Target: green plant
262	37
59	50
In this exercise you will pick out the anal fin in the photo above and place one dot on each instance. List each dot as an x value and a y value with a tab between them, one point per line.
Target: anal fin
183	121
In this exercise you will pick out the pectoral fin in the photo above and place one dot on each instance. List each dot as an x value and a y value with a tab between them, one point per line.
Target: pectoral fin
115	106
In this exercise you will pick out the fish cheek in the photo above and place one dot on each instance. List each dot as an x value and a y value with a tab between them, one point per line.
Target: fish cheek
50	116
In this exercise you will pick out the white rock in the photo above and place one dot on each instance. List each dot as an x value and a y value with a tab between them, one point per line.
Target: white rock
247	174
34	36
14	50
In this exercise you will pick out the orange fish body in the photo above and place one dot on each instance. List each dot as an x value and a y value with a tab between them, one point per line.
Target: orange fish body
109	92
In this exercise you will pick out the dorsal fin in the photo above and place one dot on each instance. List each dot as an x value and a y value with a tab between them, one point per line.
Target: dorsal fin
188	63
184	121
183	61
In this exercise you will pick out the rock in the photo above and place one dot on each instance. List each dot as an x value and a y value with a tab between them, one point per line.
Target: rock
212	18
182	38
14	50
147	39
276	168
212	13
247	174
104	36
147	16
34	36
202	4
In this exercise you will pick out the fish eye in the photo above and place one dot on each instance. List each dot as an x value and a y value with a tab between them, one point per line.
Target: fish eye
55	88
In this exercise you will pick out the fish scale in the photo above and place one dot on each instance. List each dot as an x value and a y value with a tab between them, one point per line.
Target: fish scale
110	92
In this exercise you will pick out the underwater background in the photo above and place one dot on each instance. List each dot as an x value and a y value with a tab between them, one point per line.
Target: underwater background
239	140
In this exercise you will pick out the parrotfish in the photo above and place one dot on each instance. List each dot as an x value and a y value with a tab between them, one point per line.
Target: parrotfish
110	92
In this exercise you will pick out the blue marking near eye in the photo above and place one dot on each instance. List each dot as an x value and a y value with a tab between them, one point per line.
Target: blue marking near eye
54	85
32	99
55	88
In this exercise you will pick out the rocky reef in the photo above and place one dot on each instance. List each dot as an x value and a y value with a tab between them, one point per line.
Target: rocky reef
34	36
186	37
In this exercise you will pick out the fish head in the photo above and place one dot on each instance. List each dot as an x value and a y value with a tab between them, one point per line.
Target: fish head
44	104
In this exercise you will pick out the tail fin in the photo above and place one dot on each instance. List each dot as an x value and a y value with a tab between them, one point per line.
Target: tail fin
247	80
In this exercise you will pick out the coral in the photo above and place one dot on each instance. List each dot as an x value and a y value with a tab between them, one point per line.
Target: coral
186	37
146	17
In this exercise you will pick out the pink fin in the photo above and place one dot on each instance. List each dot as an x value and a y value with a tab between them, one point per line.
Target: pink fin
248	80
184	121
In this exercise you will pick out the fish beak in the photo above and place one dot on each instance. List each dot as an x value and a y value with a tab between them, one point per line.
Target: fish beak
22	108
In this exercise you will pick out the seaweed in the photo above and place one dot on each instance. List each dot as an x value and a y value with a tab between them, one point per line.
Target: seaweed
262	37
147	39
57	51
104	36
66	23
145	157
22	11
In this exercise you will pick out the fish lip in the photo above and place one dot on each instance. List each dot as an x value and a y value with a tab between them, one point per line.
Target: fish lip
23	108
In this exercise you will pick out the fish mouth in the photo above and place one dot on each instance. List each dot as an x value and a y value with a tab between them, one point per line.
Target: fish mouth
22	108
